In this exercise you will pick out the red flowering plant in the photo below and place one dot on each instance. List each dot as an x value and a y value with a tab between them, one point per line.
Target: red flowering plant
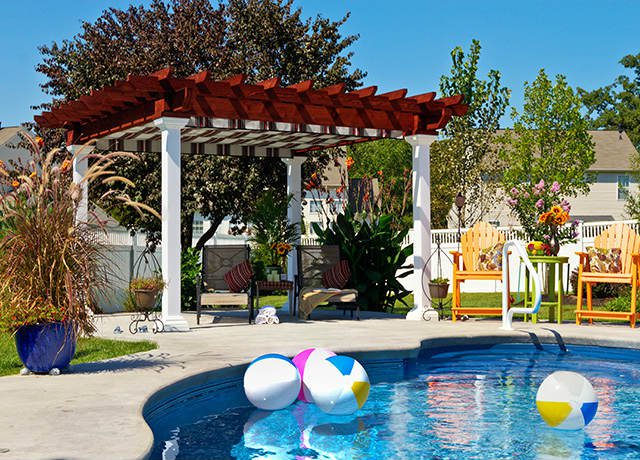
543	214
52	266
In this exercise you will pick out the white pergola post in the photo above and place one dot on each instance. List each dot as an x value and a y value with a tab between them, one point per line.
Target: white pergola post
80	166
294	215
422	308
171	190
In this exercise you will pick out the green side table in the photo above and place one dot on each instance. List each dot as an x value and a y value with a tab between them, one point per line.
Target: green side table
555	266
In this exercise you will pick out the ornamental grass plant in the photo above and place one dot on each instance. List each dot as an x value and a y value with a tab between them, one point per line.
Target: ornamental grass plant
52	265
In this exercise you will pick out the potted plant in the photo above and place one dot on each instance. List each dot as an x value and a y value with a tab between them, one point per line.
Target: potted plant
146	290
272	234
52	265
439	288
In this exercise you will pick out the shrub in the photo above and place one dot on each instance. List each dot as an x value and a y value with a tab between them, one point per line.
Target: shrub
191	268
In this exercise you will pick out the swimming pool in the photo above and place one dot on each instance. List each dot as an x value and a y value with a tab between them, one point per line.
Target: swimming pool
451	403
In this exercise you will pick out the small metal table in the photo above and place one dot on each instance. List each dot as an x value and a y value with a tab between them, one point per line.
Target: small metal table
555	266
270	286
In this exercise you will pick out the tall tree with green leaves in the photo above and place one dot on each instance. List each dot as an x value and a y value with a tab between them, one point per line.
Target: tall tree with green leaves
617	106
260	38
465	160
549	140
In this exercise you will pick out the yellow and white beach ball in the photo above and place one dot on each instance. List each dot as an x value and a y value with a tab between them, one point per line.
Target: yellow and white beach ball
340	386
272	382
566	401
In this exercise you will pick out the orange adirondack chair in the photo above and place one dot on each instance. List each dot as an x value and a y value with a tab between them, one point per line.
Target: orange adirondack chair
481	236
618	236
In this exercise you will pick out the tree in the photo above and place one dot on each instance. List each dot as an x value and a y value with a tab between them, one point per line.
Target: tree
465	160
549	141
260	38
617	106
390	161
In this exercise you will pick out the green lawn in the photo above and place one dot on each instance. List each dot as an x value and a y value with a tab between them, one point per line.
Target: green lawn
88	350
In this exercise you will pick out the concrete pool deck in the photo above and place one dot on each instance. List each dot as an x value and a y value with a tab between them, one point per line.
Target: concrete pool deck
95	410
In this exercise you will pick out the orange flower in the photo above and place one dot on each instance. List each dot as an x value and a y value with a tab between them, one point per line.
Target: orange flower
545	217
349	162
380	173
66	165
15	183
39	141
557	210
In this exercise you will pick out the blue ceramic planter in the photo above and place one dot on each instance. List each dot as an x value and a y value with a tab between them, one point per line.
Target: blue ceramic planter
42	347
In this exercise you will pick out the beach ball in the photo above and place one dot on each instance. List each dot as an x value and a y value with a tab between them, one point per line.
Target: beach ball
272	382
340	386
566	401
308	359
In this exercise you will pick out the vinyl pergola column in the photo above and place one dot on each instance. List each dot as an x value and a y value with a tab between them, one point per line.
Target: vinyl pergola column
171	190
294	214
422	308
80	167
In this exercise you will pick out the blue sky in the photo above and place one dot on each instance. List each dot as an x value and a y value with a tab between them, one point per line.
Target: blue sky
403	43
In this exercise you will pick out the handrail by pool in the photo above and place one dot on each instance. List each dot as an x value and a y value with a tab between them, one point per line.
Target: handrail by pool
507	313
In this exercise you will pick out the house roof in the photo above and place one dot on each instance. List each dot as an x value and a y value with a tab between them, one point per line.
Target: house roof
614	151
7	134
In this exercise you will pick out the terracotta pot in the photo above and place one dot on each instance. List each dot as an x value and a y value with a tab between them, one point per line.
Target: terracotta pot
146	298
438	291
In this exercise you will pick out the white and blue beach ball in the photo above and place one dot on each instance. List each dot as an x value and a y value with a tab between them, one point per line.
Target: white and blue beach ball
272	382
340	386
566	401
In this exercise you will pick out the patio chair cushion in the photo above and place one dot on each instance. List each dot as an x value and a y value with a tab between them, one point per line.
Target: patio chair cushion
605	260
337	276
490	259
239	276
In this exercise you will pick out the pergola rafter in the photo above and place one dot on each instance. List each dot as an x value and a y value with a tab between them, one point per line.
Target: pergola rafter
200	115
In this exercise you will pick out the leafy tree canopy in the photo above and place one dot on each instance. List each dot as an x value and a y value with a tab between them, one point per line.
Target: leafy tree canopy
549	140
260	38
617	106
464	160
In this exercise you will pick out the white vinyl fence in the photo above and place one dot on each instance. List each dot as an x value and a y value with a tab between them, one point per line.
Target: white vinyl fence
125	250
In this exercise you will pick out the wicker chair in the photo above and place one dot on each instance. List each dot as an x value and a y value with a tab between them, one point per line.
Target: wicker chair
212	288
313	261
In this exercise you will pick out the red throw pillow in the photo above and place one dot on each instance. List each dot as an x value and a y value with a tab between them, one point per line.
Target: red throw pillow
337	276
239	276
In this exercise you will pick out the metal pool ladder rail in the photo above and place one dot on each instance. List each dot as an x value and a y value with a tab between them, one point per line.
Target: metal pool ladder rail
507	313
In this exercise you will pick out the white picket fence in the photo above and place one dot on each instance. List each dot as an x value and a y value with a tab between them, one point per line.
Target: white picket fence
124	250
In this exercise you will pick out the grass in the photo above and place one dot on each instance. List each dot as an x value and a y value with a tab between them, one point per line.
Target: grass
88	350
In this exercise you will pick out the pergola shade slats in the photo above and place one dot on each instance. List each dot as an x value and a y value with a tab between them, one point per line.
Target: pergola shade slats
139	100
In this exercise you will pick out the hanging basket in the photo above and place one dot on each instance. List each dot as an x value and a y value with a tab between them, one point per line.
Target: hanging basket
438	290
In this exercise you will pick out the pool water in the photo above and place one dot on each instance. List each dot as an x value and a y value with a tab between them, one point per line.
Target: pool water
453	404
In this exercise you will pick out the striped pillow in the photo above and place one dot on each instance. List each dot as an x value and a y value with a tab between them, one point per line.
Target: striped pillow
337	276
239	276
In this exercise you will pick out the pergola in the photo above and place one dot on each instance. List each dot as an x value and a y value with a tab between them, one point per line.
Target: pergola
199	115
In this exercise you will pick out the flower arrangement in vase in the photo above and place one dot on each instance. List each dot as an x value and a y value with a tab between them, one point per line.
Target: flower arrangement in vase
543	214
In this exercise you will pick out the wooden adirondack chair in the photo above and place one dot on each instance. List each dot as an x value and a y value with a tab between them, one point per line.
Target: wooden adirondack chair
617	236
481	236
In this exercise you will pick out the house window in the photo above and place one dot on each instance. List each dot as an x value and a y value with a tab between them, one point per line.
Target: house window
315	206
198	227
623	187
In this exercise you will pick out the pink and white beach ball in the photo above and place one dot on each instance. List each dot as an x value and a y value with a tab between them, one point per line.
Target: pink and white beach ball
306	361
